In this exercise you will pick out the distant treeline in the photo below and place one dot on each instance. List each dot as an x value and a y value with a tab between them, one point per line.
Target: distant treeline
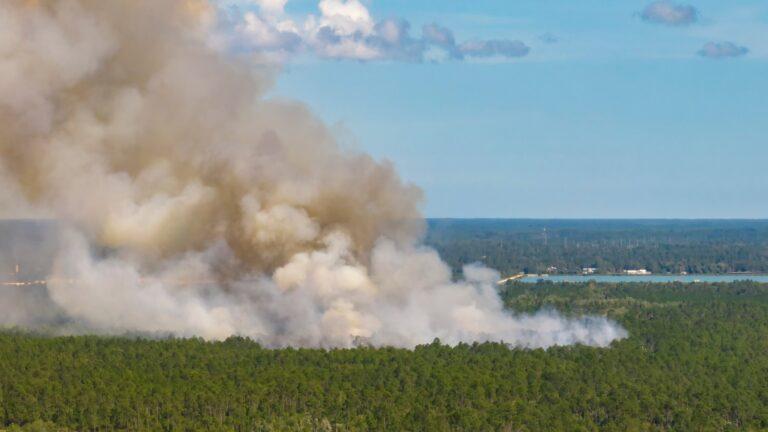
696	359
31	244
610	246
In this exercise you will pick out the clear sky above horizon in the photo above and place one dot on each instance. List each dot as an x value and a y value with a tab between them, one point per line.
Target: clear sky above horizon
613	112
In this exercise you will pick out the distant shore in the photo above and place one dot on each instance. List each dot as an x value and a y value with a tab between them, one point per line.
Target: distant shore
643	275
652	278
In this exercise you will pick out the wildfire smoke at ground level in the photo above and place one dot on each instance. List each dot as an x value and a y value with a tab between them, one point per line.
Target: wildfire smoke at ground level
163	161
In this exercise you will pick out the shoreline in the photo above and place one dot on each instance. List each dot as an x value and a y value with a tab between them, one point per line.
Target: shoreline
528	275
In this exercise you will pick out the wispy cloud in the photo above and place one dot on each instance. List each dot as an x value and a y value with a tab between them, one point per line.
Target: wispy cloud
669	13
494	47
345	29
549	38
721	50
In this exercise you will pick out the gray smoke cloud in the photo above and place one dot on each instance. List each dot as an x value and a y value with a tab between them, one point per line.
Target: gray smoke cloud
190	203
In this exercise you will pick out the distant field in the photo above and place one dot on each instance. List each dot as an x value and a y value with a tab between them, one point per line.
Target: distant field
609	246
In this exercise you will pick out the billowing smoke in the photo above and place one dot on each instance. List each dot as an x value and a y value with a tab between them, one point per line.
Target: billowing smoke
193	204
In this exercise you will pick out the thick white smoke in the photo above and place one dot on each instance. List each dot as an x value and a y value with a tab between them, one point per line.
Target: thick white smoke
197	206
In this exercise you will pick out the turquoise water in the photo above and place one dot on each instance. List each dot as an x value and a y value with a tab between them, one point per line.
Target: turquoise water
650	278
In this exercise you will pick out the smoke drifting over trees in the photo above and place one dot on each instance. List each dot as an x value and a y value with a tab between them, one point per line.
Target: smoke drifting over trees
192	204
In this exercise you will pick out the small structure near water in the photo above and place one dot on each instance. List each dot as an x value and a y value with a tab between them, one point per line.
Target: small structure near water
637	272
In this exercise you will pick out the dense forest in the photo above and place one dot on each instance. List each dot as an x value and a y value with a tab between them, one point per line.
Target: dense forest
609	246
696	359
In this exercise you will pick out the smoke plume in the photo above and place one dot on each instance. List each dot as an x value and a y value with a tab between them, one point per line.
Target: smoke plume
195	205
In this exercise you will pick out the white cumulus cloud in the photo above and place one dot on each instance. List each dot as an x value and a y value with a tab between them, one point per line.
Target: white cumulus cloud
345	29
670	13
724	49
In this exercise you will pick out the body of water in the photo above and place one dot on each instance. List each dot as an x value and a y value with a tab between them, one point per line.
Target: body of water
650	278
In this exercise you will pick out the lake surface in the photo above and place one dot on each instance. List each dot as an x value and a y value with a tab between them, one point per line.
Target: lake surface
650	278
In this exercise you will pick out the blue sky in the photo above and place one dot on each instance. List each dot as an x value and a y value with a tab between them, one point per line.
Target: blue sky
620	117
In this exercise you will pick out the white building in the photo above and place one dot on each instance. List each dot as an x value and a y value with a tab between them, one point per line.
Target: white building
637	272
